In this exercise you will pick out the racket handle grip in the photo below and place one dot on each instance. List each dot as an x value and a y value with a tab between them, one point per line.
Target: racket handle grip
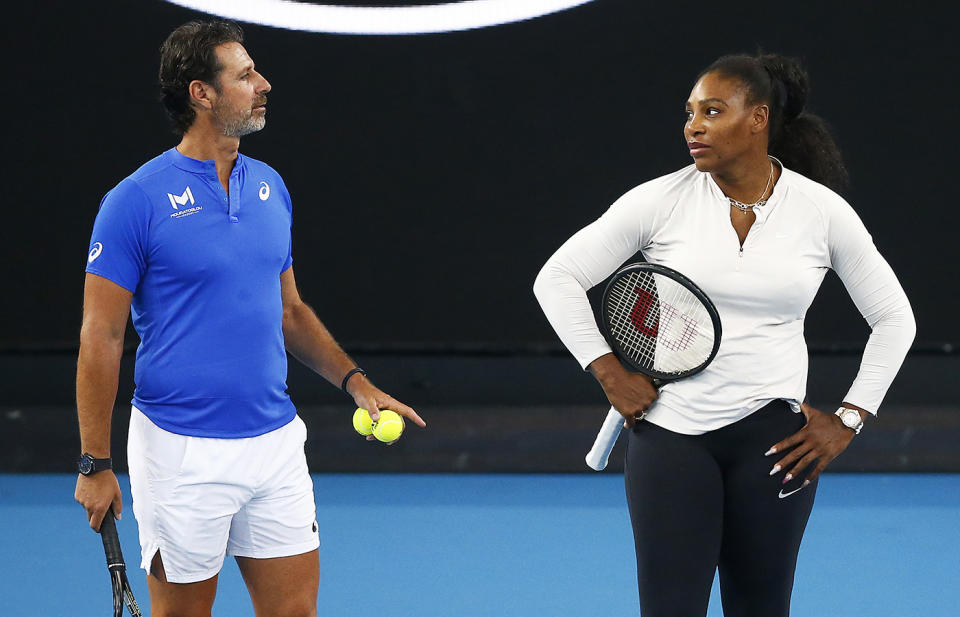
111	541
607	437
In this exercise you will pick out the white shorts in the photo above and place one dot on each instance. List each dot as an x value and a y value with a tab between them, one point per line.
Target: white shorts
198	499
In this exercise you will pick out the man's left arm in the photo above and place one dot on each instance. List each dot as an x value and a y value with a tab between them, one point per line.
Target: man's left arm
309	341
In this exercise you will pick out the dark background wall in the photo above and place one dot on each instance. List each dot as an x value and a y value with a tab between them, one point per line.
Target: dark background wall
432	175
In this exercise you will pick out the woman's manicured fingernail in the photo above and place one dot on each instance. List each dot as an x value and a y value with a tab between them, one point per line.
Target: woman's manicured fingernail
787	478
806	482
772	450
775	469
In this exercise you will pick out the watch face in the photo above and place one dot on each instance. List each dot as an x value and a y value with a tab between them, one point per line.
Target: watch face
85	465
850	419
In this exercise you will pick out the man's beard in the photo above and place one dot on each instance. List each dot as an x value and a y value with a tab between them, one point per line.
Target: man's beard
235	124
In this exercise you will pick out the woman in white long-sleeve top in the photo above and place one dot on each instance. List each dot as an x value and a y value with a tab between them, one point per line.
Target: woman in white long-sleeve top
722	471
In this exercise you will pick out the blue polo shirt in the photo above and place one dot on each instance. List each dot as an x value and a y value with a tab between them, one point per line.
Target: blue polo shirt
204	268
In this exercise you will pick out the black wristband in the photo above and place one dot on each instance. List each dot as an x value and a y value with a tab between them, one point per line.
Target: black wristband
351	373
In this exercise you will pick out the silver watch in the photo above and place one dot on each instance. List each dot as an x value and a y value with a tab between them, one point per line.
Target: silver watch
851	419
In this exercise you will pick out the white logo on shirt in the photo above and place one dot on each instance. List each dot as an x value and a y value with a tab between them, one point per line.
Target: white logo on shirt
180	200
94	252
179	214
264	191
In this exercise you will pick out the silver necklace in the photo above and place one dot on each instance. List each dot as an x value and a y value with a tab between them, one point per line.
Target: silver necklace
759	203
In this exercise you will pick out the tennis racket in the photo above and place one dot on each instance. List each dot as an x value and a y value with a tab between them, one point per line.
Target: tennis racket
658	323
122	594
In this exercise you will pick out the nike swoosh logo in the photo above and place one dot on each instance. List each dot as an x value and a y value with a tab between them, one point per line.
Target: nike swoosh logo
783	495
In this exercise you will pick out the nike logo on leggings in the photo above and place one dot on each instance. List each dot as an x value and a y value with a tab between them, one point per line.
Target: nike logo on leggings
782	494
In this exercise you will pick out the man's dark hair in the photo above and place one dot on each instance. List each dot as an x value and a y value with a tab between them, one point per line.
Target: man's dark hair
189	53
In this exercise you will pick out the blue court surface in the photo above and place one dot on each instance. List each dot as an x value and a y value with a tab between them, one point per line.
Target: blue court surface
505	545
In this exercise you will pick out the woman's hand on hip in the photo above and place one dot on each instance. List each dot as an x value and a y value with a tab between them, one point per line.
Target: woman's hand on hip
820	441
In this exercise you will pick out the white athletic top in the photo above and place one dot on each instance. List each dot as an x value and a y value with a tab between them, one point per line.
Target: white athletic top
762	291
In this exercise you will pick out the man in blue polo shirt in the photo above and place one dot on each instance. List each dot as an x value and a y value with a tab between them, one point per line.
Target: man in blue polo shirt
195	245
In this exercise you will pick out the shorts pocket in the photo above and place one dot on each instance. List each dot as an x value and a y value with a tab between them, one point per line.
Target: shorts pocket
164	452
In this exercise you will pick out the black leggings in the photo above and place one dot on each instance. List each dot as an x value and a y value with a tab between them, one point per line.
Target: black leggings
699	502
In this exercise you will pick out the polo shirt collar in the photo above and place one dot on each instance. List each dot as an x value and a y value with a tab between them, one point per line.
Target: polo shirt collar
207	168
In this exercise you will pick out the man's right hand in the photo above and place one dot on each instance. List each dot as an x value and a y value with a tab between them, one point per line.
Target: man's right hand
96	493
630	393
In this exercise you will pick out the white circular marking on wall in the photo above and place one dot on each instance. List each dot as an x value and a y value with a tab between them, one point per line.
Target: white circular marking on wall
419	19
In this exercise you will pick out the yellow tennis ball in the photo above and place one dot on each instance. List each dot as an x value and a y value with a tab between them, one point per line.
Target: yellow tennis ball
362	422
389	427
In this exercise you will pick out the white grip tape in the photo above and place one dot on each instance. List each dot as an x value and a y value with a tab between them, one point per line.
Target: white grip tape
607	437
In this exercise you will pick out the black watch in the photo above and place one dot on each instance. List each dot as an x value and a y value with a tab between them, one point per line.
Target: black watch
87	465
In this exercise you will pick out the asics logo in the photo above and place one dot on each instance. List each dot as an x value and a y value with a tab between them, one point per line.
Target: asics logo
264	191
95	251
181	200
416	19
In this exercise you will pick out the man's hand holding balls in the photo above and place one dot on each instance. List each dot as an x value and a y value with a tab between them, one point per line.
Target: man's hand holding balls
384	421
387	428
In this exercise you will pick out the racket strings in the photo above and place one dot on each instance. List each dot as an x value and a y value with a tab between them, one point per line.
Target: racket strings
629	294
659	323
